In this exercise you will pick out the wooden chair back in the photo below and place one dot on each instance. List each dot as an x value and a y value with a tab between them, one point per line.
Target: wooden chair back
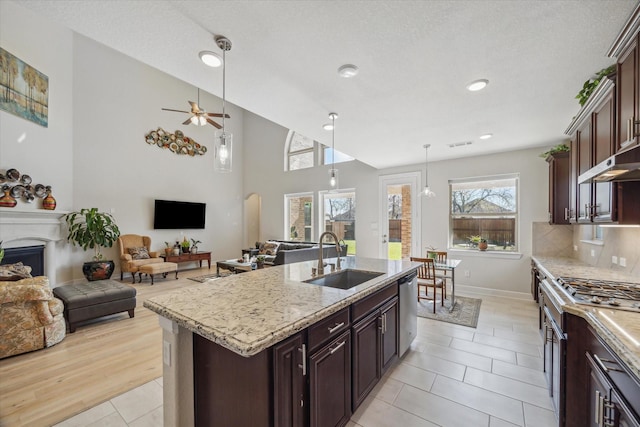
427	270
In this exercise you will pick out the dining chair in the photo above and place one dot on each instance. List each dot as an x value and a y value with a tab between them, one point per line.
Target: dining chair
441	258
427	278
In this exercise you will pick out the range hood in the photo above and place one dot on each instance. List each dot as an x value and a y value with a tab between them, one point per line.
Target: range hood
623	166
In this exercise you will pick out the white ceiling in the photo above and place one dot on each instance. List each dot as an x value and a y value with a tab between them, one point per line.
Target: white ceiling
415	58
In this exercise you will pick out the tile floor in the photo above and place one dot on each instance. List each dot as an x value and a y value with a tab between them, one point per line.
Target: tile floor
453	375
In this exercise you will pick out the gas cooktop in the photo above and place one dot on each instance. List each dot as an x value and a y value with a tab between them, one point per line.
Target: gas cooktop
621	295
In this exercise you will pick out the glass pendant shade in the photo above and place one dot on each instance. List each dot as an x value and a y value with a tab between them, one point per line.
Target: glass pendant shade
198	120
428	193
333	178
223	151
427	190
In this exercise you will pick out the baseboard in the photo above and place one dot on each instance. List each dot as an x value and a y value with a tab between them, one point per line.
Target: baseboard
474	290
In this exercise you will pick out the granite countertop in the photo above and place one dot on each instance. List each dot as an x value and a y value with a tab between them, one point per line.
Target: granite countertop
249	312
618	328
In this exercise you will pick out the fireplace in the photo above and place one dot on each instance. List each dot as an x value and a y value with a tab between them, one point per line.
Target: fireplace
26	229
33	256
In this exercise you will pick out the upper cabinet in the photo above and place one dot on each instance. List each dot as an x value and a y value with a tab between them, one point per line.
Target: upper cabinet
626	49
559	209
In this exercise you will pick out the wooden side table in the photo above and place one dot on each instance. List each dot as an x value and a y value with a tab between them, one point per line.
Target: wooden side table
198	256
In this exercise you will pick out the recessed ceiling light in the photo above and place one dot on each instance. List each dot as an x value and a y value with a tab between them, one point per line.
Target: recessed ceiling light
327	126
211	59
477	85
486	136
348	70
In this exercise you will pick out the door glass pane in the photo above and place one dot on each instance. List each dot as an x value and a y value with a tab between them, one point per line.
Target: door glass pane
399	217
299	217
339	216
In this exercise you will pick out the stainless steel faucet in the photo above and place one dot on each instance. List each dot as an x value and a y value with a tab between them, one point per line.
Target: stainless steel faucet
320	256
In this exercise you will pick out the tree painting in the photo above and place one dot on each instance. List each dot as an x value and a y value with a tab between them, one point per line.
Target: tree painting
24	91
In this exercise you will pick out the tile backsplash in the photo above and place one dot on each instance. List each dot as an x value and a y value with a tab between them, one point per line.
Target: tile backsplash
619	242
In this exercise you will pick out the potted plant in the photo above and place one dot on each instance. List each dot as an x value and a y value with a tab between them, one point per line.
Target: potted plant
185	246
260	261
431	252
194	246
478	242
90	229
167	249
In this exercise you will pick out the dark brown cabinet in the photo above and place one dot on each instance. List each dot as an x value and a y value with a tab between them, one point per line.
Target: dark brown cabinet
375	349
289	372
628	105
330	383
559	173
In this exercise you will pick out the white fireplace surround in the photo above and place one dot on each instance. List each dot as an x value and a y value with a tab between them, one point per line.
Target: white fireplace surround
33	227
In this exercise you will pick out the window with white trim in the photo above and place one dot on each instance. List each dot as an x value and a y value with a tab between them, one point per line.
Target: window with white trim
484	210
300	152
338	214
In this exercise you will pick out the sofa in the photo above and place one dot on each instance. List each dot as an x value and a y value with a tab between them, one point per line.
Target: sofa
31	318
278	252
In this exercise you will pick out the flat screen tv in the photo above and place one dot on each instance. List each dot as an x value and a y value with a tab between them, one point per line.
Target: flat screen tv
170	215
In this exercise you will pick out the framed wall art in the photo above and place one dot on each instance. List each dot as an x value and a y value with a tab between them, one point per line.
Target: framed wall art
24	91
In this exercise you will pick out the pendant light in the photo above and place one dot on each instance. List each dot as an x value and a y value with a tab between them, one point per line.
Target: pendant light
427	191
223	139
333	172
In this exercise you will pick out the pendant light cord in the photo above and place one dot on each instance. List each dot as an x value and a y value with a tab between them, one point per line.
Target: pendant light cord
333	142
224	84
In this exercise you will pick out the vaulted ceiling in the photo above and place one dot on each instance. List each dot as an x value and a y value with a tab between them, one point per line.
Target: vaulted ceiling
414	58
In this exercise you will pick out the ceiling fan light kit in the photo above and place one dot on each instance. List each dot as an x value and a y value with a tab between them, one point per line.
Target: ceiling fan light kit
223	140
348	70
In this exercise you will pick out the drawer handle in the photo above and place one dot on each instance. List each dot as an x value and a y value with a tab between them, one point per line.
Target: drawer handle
601	363
338	347
336	327
303	350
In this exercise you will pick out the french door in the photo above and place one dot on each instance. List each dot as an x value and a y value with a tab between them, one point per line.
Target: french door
399	216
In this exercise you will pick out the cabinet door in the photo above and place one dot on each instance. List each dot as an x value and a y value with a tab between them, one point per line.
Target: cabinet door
573	181
599	395
583	136
603	138
366	356
389	335
621	415
627	91
288	382
559	173
330	383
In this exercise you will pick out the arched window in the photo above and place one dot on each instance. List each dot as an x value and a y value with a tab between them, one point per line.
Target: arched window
300	152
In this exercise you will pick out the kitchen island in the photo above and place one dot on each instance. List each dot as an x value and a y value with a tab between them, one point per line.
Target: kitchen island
238	324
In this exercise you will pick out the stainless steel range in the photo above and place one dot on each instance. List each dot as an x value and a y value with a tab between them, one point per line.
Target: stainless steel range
620	295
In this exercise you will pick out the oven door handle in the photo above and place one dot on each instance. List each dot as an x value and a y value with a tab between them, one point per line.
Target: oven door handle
561	335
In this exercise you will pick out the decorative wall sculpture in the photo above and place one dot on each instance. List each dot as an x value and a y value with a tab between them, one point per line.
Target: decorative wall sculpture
176	142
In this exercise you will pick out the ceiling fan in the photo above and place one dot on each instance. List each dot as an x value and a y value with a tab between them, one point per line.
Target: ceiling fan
199	117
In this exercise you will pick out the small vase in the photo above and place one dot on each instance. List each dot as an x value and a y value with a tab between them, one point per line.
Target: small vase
483	246
176	251
7	200
49	202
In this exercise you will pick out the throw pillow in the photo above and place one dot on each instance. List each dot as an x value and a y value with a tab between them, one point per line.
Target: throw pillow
269	248
139	253
17	271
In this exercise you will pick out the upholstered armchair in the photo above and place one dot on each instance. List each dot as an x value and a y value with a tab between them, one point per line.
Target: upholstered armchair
135	251
31	318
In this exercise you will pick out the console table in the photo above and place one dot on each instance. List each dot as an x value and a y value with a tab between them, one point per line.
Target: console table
198	256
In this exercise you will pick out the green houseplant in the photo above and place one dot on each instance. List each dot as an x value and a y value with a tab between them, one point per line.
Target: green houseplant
90	229
589	86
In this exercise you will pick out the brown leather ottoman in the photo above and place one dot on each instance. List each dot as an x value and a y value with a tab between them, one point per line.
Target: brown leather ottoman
95	299
163	268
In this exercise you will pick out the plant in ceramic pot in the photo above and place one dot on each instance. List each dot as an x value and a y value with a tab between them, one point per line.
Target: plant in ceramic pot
194	246
260	261
90	229
185	246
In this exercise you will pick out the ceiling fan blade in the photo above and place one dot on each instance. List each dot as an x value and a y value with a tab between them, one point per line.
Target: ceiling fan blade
186	122
194	107
177	111
217	126
226	116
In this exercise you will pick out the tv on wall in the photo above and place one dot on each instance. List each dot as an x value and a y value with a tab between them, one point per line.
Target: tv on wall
170	215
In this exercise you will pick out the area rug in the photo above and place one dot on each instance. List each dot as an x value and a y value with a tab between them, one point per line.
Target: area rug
465	312
206	277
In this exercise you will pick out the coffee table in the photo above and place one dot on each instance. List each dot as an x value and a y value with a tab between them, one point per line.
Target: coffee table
233	266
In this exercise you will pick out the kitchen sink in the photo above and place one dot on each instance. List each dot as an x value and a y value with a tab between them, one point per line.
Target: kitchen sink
345	279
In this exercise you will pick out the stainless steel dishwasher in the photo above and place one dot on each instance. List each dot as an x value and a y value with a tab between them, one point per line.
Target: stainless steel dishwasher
408	289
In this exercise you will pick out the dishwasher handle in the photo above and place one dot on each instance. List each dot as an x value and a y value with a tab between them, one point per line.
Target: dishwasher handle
408	278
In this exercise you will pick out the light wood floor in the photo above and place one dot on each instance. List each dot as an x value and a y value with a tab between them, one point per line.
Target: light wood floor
101	360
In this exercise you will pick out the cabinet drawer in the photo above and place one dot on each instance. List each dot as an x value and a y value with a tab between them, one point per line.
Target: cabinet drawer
328	328
366	305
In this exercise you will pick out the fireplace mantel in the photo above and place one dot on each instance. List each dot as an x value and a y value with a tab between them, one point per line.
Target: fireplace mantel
32	227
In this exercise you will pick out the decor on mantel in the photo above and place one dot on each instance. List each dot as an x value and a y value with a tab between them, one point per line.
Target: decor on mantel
91	229
176	142
223	149
49	203
427	190
28	96
19	187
